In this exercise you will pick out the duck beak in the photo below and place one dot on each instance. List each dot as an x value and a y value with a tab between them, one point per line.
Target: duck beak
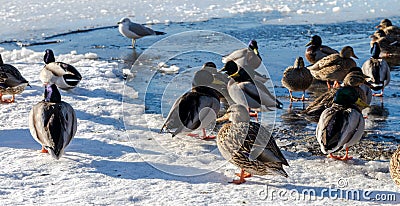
255	51
223	118
235	74
309	43
360	103
354	55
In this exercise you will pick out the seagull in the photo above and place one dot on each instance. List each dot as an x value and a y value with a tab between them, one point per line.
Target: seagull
135	31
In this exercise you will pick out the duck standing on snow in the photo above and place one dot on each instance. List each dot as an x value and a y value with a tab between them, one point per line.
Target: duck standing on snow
341	125
247	91
395	167
248	58
376	70
195	109
316	50
240	139
334	67
11	81
52	122
135	31
63	75
297	78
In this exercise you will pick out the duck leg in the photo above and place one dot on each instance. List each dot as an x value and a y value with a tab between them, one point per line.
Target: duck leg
207	137
336	84
241	180
328	84
378	95
43	150
253	114
344	158
9	100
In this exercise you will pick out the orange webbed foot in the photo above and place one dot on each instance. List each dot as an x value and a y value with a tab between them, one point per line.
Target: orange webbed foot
44	150
245	174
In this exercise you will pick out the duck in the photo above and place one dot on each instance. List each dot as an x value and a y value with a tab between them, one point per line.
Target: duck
249	146
342	124
53	122
389	29
377	70
316	51
247	91
248	58
134	30
297	78
394	167
63	75
11	81
389	46
355	78
195	109
334	67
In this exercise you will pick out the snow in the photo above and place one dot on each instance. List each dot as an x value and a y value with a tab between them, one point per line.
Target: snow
118	156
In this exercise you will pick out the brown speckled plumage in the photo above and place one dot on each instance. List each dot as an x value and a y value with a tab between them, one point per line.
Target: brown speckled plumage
389	45
317	51
297	77
235	142
395	167
335	66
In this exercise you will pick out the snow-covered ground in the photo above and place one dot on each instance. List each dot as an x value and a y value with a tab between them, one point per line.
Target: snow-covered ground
118	156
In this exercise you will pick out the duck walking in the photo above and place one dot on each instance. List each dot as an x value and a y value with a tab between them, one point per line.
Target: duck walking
63	75
52	122
249	146
297	78
377	70
341	125
135	31
316	50
195	109
11	81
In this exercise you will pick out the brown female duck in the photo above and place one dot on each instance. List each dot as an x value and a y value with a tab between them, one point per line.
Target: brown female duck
316	50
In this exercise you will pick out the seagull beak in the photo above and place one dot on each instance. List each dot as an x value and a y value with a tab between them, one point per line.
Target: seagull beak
119	22
361	103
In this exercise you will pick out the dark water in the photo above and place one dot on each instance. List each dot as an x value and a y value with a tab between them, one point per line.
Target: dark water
279	46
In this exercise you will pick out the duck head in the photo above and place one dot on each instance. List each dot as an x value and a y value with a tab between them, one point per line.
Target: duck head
49	56
348	52
231	69
384	23
348	96
298	63
254	46
51	93
315	41
375	50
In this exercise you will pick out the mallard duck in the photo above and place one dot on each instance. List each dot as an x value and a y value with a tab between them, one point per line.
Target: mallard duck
395	167
355	78
316	50
247	58
376	70
297	78
335	66
52	122
63	75
342	124
245	90
249	145
135	31
195	109
11	81
389	46
389	29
